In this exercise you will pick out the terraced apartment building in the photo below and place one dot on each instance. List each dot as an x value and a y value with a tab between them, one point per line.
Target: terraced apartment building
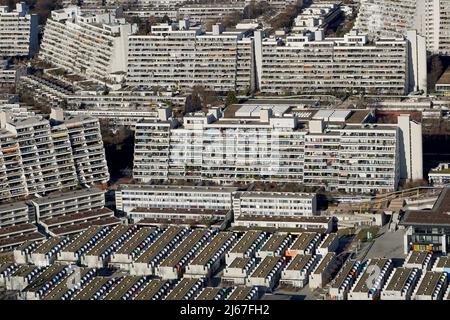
92	45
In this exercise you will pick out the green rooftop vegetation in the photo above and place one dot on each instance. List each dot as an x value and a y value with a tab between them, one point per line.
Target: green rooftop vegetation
444	171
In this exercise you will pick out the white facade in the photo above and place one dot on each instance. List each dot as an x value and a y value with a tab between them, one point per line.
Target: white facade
208	12
310	63
65	203
316	16
274	203
18	31
91	45
132	196
87	148
431	18
417	62
13	213
349	158
411	162
180	57
38	157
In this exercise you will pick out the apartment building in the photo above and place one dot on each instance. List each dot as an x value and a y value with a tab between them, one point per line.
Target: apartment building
317	16
87	147
440	175
115	117
18	31
270	144
431	18
15	111
66	203
93	45
132	196
274	203
309	63
280	5
34	157
201	13
10	74
37	157
125	98
13	213
45	90
269	149
181	57
428	230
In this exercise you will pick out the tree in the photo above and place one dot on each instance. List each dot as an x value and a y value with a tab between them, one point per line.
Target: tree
254	10
232	19
231	98
192	103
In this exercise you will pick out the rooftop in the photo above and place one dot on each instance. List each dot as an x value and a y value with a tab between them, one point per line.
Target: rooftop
439	215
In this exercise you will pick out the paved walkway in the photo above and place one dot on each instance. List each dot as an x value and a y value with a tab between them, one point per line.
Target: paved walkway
388	245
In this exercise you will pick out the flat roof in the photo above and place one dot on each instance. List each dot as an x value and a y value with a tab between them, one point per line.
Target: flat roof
329	238
91	288
417	257
240	293
361	285
17	229
211	248
304	240
429	283
160	243
326	260
300	219
176	188
445	77
186	211
17	240
239	262
62	196
129	246
299	262
17	205
398	279
342	275
246	241
182	288
151	289
185	246
79	227
61	288
25	270
49	244
108	241
276	195
175	221
275	242
122	287
443	262
45	277
82	239
75	217
439	215
265	267
208	294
